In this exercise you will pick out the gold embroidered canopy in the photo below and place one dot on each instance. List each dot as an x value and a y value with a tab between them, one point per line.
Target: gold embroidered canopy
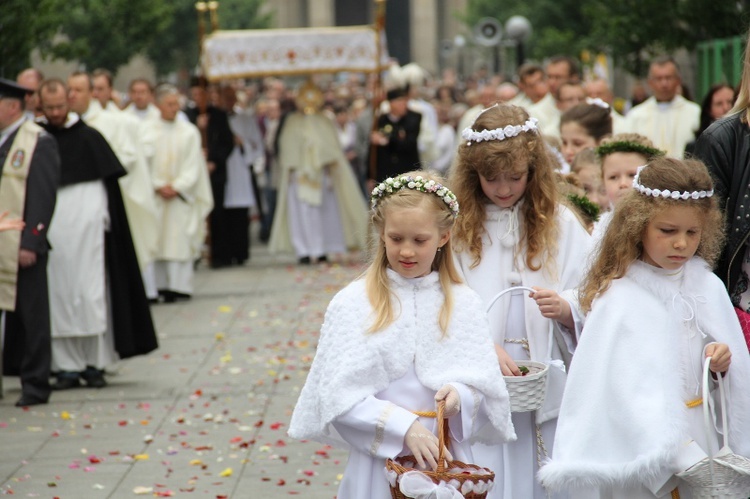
279	52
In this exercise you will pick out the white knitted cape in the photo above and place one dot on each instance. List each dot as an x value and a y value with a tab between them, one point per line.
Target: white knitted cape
351	364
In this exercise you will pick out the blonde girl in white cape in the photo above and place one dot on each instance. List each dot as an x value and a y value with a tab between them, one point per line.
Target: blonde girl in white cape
403	336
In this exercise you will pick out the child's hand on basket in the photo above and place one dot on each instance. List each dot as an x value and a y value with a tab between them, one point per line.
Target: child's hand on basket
720	355
552	306
507	366
452	400
423	444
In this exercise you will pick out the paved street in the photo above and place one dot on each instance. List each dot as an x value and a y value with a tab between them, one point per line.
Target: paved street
205	415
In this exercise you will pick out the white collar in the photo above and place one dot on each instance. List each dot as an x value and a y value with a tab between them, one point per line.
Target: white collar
665	286
93	110
495	212
401	282
71	120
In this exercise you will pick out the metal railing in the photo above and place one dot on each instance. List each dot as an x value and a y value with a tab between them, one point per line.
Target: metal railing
719	61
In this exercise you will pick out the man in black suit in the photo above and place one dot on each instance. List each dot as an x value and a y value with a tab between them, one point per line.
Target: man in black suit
30	166
396	137
218	143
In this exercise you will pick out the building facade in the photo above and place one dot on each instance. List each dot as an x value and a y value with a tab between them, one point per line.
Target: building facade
418	31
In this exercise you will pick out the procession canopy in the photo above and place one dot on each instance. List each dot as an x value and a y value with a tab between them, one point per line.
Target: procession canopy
297	51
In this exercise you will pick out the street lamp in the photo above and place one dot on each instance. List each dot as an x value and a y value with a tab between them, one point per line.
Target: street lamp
518	29
460	42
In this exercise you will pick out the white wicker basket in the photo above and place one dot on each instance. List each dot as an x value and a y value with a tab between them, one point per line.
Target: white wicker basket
526	392
724	474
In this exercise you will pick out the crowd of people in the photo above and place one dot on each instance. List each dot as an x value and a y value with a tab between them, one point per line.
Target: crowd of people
602	227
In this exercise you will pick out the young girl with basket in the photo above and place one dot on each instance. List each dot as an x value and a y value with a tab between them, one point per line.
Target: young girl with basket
406	334
513	231
632	414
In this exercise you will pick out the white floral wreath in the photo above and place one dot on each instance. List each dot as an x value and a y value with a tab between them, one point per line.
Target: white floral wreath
418	183
503	133
597	102
665	193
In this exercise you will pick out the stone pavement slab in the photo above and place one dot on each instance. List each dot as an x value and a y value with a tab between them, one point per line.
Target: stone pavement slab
205	415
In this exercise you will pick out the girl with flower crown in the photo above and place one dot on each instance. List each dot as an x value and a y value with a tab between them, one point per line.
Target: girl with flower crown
584	126
631	417
396	340
514	231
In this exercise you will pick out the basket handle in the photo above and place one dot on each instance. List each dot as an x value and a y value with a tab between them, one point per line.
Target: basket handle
708	420
503	292
706	409
441	429
494	299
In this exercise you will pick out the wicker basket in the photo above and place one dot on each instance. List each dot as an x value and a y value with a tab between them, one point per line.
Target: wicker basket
526	392
722	475
463	477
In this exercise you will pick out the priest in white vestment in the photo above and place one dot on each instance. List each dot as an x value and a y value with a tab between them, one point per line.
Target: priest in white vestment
321	209
141	94
119	131
532	83
548	114
102	91
183	195
667	118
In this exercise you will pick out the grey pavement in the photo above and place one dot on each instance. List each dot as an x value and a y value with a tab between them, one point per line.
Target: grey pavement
203	416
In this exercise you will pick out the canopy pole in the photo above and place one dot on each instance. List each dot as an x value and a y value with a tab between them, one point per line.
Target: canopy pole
377	91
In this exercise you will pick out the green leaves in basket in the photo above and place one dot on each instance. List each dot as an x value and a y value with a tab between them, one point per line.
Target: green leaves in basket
524	370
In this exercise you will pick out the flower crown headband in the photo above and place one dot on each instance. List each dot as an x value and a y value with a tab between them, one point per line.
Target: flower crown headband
665	193
418	183
627	146
506	132
597	102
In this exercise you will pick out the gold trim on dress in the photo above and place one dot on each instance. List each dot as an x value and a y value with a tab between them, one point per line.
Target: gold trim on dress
380	429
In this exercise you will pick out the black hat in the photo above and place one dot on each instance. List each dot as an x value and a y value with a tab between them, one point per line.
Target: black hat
397	93
11	90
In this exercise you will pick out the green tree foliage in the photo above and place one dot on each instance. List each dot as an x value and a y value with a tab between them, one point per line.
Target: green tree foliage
632	31
107	33
23	25
633	43
178	47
